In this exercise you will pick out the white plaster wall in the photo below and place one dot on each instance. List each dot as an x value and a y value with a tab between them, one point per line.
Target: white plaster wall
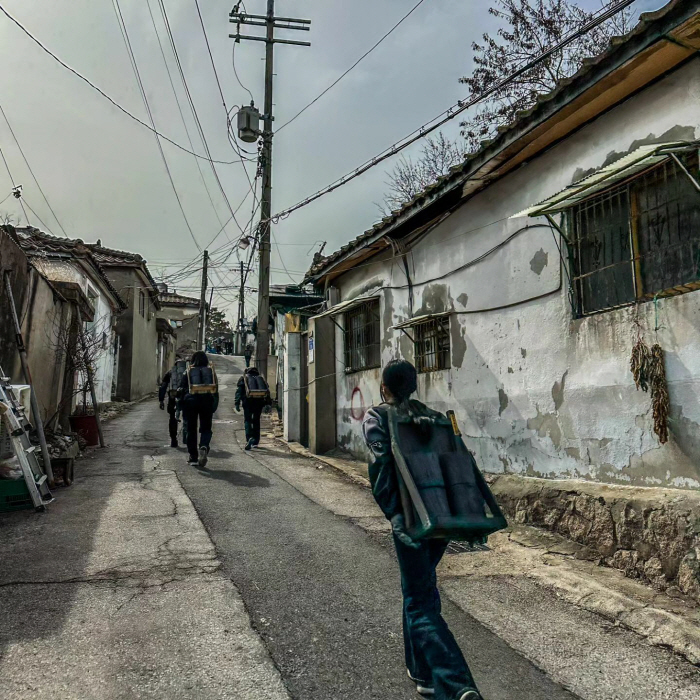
537	392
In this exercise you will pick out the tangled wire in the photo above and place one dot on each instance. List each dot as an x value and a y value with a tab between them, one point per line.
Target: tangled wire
647	367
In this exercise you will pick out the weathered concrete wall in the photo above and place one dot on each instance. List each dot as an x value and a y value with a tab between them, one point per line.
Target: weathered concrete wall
649	533
291	369
42	314
138	338
321	387
537	392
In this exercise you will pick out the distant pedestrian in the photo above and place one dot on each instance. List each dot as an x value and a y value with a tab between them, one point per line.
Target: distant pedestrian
253	394
434	660
169	388
248	354
199	390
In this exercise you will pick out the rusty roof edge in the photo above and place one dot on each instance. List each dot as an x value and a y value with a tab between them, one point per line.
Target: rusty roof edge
652	27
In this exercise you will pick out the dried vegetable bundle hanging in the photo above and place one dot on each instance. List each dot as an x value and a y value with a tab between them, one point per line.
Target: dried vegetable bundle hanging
647	367
659	393
639	364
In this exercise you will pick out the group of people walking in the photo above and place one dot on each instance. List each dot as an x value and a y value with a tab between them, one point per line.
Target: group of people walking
192	391
434	661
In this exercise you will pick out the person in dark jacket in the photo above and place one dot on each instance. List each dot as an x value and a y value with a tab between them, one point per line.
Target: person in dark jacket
434	660
163	391
248	354
252	409
199	403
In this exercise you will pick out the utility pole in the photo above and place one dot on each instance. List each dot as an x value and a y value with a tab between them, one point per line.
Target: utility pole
203	302
241	311
270	22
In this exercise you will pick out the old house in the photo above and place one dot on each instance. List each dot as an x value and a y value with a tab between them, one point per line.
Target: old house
72	268
519	282
136	328
182	313
43	312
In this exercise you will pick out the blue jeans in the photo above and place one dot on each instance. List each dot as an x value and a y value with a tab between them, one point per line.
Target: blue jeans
432	654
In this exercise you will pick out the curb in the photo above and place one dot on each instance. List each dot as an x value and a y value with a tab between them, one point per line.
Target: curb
659	627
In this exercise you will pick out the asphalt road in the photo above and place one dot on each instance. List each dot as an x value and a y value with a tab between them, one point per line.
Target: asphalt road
322	593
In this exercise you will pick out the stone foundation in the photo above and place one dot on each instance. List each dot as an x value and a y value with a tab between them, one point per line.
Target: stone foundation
651	534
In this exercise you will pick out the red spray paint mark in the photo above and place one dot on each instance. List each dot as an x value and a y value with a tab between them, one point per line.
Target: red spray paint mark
357	404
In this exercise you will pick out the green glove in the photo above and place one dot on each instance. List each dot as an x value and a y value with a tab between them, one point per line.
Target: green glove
398	526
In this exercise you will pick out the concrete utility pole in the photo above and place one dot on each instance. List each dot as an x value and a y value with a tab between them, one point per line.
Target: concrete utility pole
241	311
270	22
203	302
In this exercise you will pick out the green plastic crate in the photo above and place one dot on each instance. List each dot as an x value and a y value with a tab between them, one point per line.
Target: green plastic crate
14	495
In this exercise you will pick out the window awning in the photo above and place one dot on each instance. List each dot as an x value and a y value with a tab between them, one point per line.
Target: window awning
347	305
420	319
618	171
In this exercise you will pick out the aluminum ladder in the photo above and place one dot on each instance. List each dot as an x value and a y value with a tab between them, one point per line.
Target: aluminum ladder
13	416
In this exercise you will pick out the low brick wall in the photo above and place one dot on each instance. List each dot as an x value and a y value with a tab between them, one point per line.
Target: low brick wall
649	533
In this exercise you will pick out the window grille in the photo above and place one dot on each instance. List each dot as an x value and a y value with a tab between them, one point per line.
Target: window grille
142	303
362	336
431	342
639	240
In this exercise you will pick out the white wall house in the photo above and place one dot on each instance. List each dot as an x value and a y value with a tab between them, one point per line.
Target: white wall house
70	262
523	324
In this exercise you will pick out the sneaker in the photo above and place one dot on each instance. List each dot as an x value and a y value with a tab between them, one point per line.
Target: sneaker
249	444
470	695
203	456
192	461
421	689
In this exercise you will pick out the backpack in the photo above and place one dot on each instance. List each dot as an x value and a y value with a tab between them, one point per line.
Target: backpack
255	387
179	368
202	380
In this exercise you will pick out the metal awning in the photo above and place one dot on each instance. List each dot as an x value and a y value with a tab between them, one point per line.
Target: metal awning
347	305
618	171
420	319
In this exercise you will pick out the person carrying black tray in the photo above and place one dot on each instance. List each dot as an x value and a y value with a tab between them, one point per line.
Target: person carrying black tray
434	660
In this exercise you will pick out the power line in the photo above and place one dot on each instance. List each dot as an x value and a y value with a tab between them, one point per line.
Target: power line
194	109
182	116
235	72
211	57
354	65
9	126
127	42
606	13
15	187
105	95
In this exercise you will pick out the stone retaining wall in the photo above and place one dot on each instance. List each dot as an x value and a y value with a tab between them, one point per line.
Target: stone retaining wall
649	533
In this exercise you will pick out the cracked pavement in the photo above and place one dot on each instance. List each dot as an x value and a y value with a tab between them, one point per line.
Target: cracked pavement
268	575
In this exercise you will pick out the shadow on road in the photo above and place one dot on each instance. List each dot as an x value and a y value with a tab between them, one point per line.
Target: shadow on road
237	478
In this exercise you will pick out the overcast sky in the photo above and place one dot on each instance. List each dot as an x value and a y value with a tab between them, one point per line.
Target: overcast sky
103	174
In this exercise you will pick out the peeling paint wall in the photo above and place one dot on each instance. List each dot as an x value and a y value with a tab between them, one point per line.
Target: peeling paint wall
537	392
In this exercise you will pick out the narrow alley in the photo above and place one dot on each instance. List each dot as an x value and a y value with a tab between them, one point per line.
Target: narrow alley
266	575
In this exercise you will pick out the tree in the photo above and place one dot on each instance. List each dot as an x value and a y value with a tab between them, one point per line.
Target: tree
529	28
409	176
217	326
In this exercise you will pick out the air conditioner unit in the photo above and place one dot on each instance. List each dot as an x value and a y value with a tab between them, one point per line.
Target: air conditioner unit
332	297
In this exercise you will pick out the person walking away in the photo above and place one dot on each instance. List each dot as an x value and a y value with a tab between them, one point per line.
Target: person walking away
253	394
434	660
169	387
199	390
248	354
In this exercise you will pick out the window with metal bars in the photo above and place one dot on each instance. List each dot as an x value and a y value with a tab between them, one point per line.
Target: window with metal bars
362	337
639	240
431	342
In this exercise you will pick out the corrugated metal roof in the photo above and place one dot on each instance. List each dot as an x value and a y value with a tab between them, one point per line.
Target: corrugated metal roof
621	169
456	175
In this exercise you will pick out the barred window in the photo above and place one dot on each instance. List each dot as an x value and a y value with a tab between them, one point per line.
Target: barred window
431	342
142	303
639	240
362	335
